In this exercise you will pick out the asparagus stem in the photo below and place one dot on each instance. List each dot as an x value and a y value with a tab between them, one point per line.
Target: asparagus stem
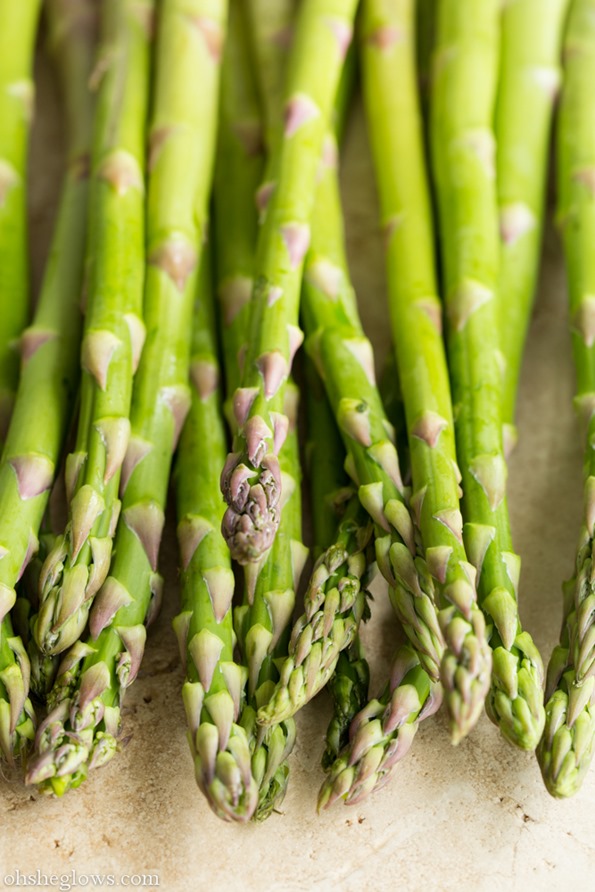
269	594
251	479
463	149
113	328
81	730
348	687
397	144
335	603
49	350
17	43
262	627
214	688
382	732
342	353
568	743
528	83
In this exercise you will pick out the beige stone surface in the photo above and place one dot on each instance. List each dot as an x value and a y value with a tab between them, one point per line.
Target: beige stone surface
476	817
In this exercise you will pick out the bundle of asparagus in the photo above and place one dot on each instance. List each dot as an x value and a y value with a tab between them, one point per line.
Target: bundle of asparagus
191	335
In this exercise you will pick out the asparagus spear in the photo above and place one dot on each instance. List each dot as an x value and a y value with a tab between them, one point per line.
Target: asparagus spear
343	355
348	688
17	43
213	692
382	732
261	625
331	499
240	161
49	351
81	729
251	479
113	329
463	148
388	40
568	743
528	83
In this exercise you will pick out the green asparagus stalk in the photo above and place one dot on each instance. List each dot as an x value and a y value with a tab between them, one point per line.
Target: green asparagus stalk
343	355
270	26
262	627
80	733
382	732
271	583
335	603
568	743
214	689
348	688
113	329
43	667
528	84
17	43
331	499
49	352
251	479
463	157
388	40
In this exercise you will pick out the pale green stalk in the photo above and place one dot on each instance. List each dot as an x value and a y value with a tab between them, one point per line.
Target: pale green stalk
81	730
568	743
463	147
528	83
18	30
49	373
113	328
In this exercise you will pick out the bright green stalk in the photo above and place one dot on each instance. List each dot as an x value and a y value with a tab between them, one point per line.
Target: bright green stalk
331	498
271	24
463	155
348	688
329	485
568	743
335	603
425	28
270	585
17	43
388	41
382	732
262	626
213	692
251	479
240	161
113	328
344	356
49	349
95	674
528	84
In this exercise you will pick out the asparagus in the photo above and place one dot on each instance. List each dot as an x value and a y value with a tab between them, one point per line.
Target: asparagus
271	582
463	147
17	43
348	688
382	732
335	602
251	479
343	355
396	134
528	83
113	329
80	732
213	691
49	372
566	748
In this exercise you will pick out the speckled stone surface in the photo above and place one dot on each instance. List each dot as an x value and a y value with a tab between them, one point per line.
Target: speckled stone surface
476	817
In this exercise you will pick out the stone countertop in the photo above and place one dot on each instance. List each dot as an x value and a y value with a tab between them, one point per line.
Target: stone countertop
475	817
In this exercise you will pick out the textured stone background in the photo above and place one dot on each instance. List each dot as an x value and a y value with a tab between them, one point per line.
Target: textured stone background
476	817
